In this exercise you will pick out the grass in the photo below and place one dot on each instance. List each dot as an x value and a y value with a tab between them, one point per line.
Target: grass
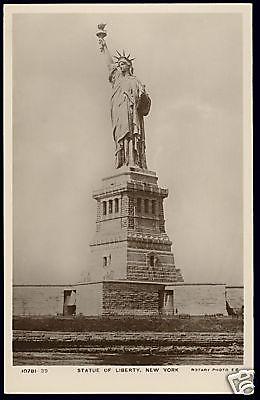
134	324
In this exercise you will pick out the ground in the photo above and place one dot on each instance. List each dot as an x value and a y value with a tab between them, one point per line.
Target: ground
127	341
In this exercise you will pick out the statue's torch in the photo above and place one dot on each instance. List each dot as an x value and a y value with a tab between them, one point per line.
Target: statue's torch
101	34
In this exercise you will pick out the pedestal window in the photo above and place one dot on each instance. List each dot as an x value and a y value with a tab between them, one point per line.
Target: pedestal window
146	206
110	206
139	205
153	206
104	206
116	205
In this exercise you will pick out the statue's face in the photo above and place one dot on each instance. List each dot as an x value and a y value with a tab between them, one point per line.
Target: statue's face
124	66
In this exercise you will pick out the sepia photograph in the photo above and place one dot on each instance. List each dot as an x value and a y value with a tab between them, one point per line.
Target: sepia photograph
128	159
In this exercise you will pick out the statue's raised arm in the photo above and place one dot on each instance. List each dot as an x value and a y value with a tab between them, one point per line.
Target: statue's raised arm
129	104
101	34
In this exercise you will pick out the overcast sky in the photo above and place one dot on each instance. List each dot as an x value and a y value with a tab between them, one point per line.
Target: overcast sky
191	65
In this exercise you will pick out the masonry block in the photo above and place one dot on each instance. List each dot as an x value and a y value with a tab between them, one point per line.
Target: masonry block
130	230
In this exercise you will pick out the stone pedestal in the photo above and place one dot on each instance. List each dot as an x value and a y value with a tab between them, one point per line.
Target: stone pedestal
130	241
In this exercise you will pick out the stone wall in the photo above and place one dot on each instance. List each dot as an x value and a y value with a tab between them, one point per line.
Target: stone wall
126	298
89	299
116	261
38	300
136	224
162	270
235	296
198	299
123	298
162	273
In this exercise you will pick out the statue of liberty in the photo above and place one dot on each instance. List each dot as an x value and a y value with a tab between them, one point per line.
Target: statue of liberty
129	104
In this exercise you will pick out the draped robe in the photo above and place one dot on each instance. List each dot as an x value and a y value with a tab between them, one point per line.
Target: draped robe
129	104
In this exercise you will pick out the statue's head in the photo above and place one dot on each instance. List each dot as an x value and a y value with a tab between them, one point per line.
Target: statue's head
125	66
124	62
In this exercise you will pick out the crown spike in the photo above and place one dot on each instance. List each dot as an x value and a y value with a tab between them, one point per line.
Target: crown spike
123	55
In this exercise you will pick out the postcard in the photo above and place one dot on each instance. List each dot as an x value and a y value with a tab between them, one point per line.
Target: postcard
128	198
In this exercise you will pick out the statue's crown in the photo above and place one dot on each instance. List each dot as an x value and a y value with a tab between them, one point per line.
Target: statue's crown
123	56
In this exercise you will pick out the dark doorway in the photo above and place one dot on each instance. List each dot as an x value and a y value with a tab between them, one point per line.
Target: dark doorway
168	302
69	304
